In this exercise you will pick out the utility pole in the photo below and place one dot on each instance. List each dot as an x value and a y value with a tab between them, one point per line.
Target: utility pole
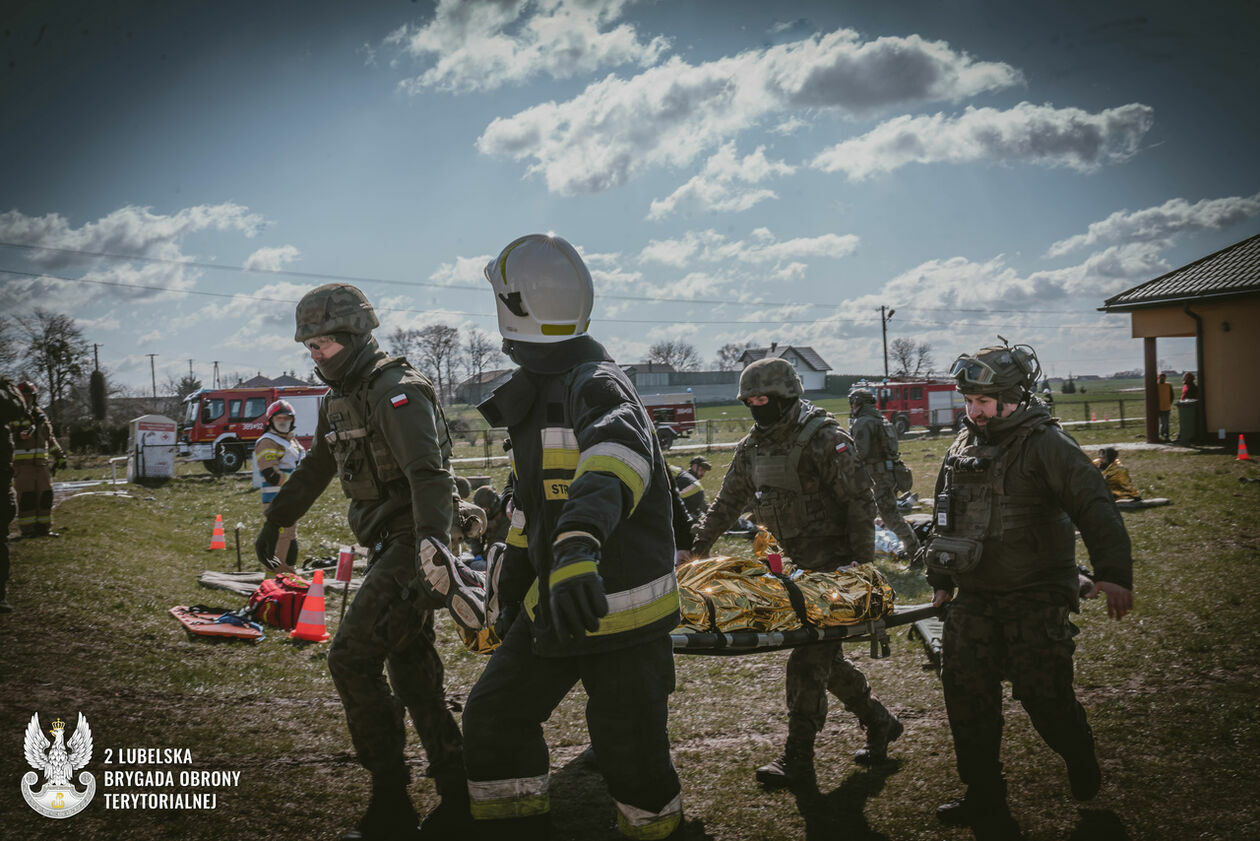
883	323
153	372
215	377
190	373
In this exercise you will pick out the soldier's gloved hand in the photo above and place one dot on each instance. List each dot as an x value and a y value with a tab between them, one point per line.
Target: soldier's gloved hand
577	592
265	545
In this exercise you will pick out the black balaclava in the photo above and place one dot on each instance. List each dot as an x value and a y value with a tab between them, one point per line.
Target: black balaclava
335	369
773	411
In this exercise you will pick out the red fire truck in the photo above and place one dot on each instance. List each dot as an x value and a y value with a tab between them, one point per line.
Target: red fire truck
674	416
934	404
221	425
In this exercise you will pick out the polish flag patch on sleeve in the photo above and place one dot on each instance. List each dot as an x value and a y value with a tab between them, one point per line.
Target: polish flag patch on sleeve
398	401
841	447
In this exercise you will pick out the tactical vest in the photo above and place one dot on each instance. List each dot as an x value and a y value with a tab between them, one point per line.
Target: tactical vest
789	507
974	506
365	464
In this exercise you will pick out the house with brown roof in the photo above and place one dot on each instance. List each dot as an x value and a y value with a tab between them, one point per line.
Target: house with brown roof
1215	299
811	367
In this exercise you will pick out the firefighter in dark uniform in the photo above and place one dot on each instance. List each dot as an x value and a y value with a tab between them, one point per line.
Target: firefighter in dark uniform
799	471
382	435
877	446
587	579
1011	492
34	446
12	407
687	482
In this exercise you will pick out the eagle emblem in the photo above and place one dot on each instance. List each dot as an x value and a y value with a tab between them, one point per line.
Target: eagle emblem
57	761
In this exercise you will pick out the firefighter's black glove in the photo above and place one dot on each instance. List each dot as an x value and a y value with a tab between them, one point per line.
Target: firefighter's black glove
265	545
577	592
59	463
271	476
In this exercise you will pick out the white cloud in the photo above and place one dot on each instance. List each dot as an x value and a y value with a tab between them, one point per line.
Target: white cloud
130	231
272	259
465	271
1152	224
478	45
720	186
789	126
1040	134
709	246
671	113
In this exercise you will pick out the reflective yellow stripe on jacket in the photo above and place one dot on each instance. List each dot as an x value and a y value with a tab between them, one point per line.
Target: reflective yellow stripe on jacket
627	609
631	468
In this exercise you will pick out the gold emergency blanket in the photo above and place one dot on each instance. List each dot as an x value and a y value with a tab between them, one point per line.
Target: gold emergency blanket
740	594
1118	480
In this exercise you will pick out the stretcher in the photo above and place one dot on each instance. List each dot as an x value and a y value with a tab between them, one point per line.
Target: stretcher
1134	504
200	621
923	618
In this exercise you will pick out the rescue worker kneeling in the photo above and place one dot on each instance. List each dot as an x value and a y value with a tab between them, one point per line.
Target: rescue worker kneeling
587	580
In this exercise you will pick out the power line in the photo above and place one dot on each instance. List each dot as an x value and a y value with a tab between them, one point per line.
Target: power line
462	286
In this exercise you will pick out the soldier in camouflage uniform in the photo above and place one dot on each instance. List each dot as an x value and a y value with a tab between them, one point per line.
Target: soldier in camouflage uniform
1010	493
12	407
876	442
799	471
381	433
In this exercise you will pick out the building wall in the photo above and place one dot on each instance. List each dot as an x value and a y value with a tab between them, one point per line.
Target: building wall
1231	357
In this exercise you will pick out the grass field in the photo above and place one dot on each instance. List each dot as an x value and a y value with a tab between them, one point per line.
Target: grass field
1171	690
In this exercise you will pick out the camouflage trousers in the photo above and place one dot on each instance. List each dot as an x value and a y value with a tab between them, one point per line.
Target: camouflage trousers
1023	640
884	490
382	630
815	670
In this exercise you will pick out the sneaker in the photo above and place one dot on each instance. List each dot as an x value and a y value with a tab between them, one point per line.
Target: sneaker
878	738
447	578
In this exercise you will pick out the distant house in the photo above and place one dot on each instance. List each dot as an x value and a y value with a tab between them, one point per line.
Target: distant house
1215	299
808	364
476	389
260	381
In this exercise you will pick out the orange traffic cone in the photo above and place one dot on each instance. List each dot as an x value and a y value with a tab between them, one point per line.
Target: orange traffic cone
1242	450
1093	416
217	541
310	626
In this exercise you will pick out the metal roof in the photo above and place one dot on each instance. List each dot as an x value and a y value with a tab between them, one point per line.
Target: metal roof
1230	272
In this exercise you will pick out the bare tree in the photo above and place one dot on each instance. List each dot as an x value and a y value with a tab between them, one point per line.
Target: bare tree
438	344
10	346
402	342
682	355
479	353
910	359
728	355
56	349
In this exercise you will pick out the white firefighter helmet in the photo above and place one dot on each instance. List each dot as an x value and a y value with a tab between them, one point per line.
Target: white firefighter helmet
543	291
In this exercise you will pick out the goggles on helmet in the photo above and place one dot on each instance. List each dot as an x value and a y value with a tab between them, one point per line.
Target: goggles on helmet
972	370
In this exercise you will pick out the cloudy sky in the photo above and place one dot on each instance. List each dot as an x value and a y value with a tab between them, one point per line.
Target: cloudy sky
176	175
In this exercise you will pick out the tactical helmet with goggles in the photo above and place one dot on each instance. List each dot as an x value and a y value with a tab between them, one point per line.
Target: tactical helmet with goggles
772	378
1004	371
860	397
542	289
334	308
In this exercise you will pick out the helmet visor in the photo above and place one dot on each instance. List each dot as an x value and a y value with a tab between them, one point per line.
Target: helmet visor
972	370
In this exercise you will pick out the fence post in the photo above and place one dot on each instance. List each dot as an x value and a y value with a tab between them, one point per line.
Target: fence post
708	436
1122	414
1088	425
486	439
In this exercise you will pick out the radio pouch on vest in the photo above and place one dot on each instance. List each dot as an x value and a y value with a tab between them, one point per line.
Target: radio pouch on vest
952	555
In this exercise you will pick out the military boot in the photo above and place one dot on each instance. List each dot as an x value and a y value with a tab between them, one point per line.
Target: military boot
1084	775
794	767
452	817
389	816
878	738
972	806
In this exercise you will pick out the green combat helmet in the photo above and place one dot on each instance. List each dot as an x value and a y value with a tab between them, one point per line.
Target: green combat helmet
334	308
1003	371
860	397
771	377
